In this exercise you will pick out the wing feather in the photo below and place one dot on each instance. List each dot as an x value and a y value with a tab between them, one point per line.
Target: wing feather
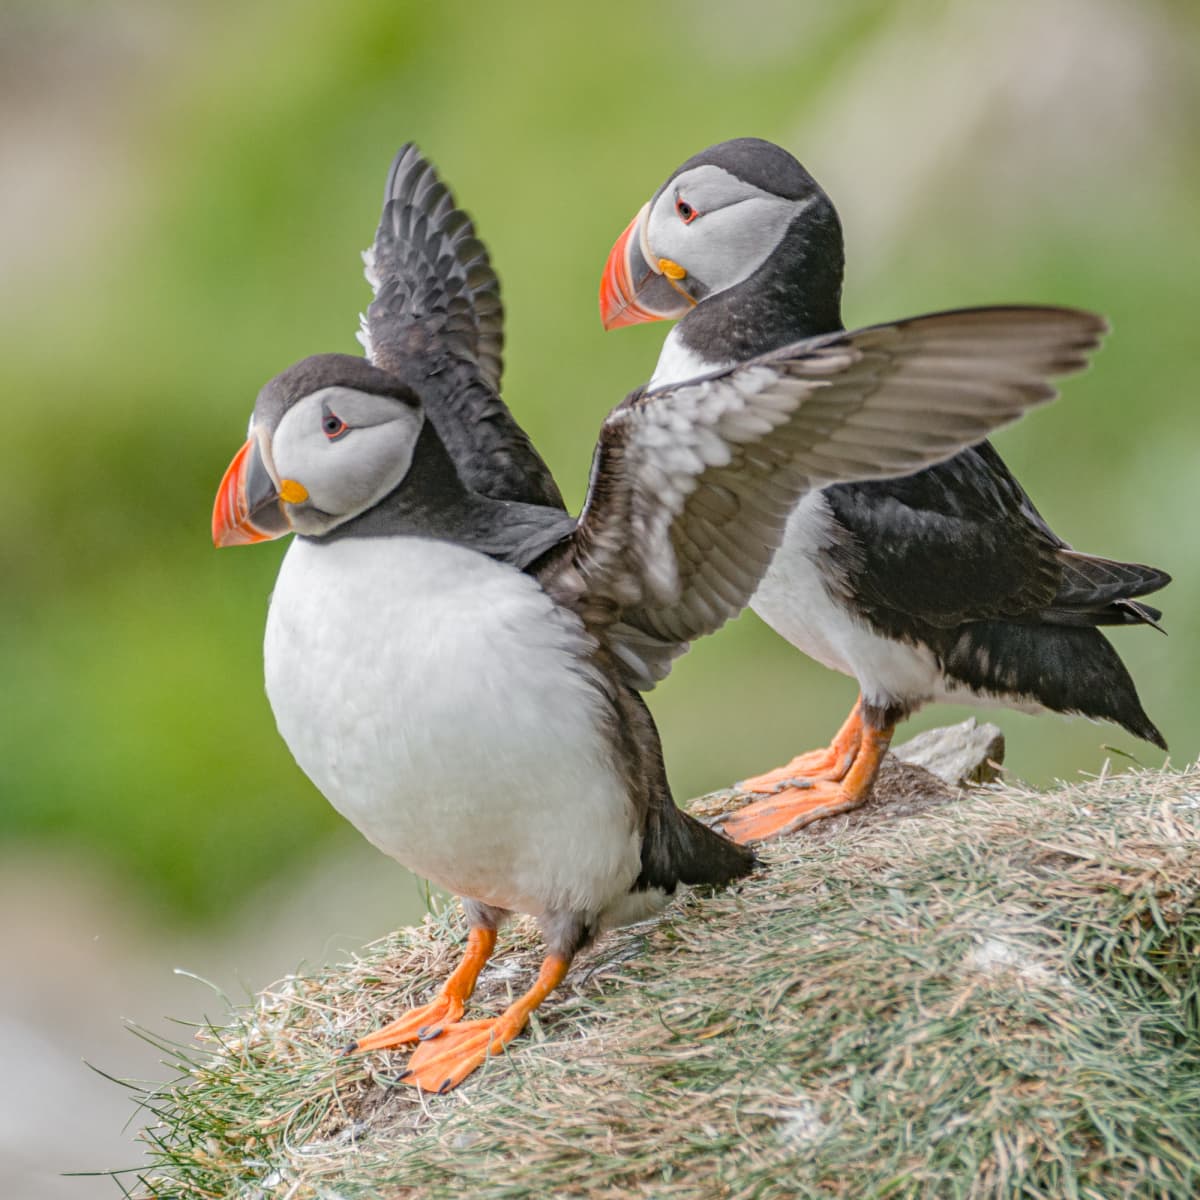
437	311
692	485
431	273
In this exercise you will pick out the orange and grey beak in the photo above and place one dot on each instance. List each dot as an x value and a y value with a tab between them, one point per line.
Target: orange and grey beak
632	289
248	507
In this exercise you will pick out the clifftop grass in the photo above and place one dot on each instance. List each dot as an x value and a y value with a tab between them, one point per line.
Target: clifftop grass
998	995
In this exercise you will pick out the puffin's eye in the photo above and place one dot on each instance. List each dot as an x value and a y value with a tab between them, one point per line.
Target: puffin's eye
687	214
333	426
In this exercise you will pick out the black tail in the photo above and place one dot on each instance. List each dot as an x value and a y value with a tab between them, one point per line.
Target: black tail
1067	667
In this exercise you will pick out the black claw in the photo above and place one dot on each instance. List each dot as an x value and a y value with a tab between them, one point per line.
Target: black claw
403	1075
350	1049
428	1032
446	1086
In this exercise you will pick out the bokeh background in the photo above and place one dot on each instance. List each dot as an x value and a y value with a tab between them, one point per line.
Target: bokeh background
185	191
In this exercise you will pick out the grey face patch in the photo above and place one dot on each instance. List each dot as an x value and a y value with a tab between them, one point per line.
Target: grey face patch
346	474
736	229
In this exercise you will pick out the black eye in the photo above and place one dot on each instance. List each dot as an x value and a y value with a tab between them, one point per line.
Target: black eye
687	214
333	426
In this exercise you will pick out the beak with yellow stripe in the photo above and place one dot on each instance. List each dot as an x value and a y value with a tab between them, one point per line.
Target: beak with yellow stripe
250	507
638	286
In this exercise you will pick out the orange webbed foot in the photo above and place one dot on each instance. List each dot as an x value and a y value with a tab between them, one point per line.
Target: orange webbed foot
788	810
446	1007
807	801
444	1061
416	1022
815	764
831	763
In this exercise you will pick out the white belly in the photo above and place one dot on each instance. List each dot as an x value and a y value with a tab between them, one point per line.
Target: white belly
438	700
794	601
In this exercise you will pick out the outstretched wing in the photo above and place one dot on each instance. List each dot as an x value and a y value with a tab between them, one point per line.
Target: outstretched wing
437	311
692	485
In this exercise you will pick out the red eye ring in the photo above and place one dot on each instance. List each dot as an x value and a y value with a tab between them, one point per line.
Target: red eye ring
332	426
687	214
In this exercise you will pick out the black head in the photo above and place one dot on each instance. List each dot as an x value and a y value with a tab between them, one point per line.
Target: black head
756	162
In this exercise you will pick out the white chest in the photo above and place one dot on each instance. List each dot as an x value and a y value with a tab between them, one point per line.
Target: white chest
676	363
440	702
794	601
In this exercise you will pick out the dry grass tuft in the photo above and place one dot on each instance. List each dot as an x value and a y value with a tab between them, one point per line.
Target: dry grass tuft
996	996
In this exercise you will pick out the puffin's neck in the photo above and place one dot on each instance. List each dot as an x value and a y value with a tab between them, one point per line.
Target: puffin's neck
795	294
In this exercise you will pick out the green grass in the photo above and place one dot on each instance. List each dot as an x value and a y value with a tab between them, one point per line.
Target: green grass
995	996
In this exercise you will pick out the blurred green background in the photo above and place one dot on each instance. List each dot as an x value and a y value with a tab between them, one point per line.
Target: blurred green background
189	187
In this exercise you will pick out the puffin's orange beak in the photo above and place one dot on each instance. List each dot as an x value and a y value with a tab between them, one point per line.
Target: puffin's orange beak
633	291
248	507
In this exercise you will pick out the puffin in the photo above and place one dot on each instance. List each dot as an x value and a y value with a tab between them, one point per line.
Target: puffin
943	585
457	663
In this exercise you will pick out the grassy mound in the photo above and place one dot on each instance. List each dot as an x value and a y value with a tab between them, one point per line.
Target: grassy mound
997	996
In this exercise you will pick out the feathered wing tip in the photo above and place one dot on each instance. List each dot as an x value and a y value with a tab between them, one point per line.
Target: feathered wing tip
1147	731
1127	710
711	858
437	308
679	849
427	260
1104	591
1088	578
676	848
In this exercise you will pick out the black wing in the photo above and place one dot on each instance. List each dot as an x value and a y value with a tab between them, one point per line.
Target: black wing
437	312
692	485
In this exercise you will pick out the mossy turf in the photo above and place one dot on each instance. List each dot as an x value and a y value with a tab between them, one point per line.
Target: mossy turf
997	995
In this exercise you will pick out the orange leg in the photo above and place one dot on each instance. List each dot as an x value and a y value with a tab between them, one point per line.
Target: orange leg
444	1061
794	807
832	762
450	1001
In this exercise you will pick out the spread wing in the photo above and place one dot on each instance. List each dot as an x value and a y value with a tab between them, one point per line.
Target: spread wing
692	485
429	271
437	312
